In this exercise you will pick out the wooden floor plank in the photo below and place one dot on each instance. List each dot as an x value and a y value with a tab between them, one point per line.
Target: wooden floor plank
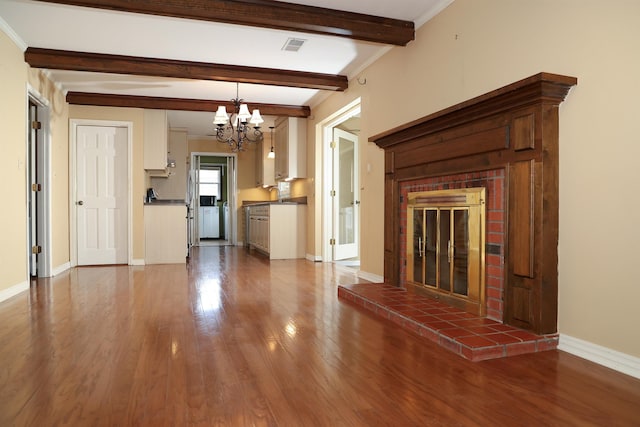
233	339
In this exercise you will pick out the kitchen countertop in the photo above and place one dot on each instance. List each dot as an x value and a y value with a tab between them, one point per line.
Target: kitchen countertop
166	202
292	201
273	202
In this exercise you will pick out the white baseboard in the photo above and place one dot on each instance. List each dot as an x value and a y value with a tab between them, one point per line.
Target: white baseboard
621	362
60	269
137	261
13	291
313	258
370	277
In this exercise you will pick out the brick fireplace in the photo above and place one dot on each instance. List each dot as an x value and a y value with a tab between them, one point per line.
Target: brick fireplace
505	141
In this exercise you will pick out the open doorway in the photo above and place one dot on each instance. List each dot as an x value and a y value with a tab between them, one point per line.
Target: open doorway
341	194
38	191
213	199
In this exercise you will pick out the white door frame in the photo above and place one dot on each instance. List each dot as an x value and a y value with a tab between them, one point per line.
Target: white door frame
232	189
327	126
44	172
73	130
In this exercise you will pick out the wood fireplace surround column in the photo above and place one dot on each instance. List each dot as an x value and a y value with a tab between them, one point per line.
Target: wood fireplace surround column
514	128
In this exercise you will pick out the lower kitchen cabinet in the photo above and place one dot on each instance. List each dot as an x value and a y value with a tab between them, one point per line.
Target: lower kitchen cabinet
165	230
278	229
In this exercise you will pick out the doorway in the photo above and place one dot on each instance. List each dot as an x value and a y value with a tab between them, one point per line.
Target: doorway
38	191
341	192
101	192
213	199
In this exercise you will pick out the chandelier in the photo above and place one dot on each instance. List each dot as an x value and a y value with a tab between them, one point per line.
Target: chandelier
239	128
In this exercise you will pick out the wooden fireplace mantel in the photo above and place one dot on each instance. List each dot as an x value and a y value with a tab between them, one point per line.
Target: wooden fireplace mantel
514	128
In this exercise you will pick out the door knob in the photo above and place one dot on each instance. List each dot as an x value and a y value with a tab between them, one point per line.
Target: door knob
80	202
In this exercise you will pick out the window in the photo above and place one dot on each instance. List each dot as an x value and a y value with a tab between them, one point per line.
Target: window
210	182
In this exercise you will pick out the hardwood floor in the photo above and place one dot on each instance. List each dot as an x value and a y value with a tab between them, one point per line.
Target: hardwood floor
235	340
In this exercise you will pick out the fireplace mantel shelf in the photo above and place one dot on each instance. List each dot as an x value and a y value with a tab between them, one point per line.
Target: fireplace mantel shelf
542	87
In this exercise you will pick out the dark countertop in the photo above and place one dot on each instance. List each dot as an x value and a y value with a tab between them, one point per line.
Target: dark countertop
292	201
273	202
166	202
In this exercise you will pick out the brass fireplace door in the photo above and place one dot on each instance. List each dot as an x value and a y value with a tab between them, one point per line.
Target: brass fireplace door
445	246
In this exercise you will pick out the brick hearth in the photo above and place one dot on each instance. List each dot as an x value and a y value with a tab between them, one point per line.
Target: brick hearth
472	337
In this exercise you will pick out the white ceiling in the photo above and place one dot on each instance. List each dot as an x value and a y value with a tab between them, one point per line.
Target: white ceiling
53	26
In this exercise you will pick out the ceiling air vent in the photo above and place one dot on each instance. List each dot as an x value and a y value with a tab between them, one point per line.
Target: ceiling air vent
293	45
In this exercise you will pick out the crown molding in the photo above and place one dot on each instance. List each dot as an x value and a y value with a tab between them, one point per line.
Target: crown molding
6	28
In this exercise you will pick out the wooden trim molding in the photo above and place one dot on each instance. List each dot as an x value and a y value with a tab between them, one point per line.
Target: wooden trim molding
514	128
121	64
111	100
621	362
268	14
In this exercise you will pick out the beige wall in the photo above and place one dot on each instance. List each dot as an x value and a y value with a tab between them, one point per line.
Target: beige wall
134	115
473	47
13	118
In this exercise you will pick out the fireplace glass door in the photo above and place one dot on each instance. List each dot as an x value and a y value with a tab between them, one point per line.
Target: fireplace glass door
445	246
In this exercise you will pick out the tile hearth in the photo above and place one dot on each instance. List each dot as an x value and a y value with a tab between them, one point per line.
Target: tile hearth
472	337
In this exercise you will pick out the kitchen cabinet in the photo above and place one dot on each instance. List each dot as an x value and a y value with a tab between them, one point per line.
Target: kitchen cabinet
265	175
291	148
209	222
259	228
278	229
155	139
165	231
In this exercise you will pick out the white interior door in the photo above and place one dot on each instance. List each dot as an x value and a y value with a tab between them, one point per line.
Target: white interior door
101	195
345	199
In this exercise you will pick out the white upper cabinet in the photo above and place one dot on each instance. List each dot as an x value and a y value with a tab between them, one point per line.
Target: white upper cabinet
155	139
290	148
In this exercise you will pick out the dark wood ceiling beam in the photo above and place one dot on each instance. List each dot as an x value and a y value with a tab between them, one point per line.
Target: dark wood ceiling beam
120	64
111	100
268	14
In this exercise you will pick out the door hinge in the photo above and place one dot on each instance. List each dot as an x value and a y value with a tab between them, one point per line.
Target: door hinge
36	124
332	144
36	249
332	242
36	187
332	193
